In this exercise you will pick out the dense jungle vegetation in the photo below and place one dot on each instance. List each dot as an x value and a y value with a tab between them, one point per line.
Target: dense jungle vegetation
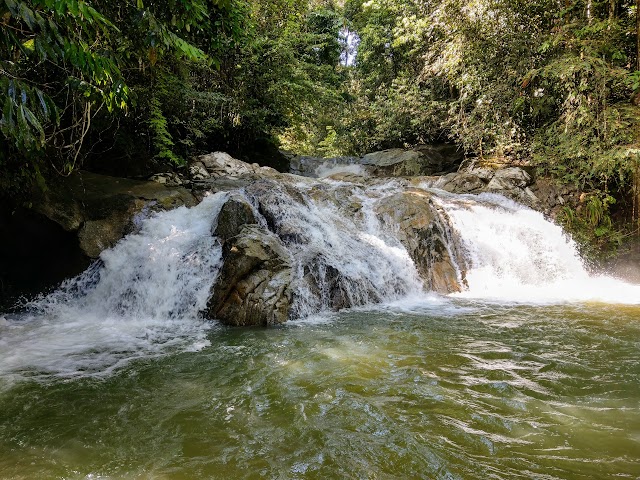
135	86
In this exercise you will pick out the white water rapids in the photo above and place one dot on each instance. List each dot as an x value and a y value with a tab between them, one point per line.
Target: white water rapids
142	301
516	255
146	296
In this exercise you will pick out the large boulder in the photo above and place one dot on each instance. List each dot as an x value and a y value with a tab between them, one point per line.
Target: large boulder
420	161
463	182
219	171
254	284
512	182
102	209
234	214
423	232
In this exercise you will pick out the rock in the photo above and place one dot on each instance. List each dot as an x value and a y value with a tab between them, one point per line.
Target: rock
198	172
423	160
254	284
422	231
99	234
220	164
509	178
101	209
483	173
463	182
318	166
552	196
512	182
235	214
169	179
329	286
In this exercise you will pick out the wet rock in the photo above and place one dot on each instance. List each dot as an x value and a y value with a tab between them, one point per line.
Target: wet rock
512	182
463	182
271	196
254	284
419	161
423	232
318	166
512	176
331	287
169	179
235	214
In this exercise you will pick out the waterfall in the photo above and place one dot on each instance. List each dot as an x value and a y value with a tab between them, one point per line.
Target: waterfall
341	253
143	297
348	245
514	254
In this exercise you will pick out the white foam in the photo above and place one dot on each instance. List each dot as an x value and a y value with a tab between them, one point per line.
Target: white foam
326	170
143	301
516	255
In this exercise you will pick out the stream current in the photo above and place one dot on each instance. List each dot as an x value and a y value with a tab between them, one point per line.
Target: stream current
533	371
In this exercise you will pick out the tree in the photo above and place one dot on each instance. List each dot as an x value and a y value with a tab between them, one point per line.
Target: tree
69	64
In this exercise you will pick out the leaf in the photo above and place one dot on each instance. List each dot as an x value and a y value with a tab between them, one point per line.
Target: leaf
8	116
43	103
31	119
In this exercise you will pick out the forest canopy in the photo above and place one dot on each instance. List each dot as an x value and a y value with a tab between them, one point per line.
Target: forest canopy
139	86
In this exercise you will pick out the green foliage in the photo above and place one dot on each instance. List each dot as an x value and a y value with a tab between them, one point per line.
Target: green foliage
520	80
68	71
592	226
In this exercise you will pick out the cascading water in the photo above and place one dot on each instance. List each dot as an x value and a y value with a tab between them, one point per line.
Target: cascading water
515	254
342	257
146	295
143	298
500	378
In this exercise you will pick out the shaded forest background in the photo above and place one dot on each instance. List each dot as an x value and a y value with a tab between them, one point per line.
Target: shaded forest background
134	87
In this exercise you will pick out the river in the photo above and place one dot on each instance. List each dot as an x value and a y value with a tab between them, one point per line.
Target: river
533	371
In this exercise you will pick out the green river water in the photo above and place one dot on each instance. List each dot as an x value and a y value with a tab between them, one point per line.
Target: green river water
450	389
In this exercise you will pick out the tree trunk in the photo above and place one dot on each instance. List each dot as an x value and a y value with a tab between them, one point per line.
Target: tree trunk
637	34
636	175
612	9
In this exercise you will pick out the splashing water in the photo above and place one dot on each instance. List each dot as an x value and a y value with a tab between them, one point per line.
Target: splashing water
516	255
342	257
145	297
142	298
